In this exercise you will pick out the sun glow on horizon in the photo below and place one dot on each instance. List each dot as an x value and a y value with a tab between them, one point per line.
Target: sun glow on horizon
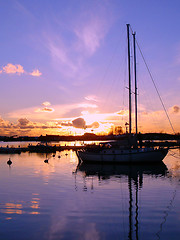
89	122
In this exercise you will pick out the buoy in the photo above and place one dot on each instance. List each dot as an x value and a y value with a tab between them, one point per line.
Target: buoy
66	154
59	156
54	155
46	160
9	162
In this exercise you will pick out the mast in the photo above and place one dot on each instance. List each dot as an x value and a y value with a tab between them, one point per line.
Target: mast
129	69
135	79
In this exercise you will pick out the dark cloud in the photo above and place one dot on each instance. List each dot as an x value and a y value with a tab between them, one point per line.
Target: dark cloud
176	109
79	123
68	124
26	127
23	121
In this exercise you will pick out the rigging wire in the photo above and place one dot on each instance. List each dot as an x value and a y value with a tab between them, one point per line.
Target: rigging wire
166	213
154	83
155	87
145	98
175	155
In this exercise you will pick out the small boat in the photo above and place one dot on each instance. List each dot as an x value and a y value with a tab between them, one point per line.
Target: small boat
11	150
42	148
131	152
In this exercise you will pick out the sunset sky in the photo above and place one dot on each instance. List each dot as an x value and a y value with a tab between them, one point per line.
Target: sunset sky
63	65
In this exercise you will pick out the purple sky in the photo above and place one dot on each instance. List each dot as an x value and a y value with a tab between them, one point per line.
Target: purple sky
66	60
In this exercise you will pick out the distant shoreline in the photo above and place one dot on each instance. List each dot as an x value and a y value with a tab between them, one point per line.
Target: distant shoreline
90	137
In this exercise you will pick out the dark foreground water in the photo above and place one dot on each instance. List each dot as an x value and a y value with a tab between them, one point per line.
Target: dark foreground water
61	200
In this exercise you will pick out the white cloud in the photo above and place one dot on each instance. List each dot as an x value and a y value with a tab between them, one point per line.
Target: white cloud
92	98
61	56
46	103
22	9
87	105
90	34
92	25
87	31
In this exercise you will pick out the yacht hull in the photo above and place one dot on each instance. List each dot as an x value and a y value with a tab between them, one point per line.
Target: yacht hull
123	156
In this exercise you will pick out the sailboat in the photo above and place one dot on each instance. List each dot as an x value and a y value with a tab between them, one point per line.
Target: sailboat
115	152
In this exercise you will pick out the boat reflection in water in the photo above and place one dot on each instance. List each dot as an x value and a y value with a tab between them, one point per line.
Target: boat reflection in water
134	175
132	171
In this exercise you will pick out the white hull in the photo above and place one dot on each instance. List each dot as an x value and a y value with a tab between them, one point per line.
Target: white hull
143	155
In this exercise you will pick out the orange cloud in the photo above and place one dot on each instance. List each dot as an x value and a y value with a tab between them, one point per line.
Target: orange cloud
45	109
18	69
123	112
12	69
36	73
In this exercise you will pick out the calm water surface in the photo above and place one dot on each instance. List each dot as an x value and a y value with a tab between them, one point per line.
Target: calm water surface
62	200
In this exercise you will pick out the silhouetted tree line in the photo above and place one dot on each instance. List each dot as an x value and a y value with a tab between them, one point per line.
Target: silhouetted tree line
92	137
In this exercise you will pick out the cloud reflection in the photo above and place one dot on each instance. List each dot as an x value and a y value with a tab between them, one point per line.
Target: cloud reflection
21	207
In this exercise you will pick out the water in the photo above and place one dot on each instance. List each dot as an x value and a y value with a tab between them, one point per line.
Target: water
61	200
